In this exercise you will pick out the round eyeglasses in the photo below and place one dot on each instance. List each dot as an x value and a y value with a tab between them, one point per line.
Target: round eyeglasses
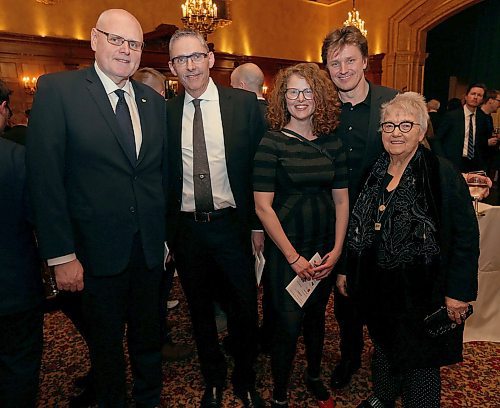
404	127
293	93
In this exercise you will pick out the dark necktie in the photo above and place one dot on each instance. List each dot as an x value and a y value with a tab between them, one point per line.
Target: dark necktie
470	143
201	172
125	122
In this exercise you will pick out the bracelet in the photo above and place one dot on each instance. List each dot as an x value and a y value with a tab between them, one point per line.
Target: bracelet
294	261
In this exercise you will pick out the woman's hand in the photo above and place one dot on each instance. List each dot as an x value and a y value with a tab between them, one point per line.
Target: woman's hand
325	267
456	309
303	268
342	284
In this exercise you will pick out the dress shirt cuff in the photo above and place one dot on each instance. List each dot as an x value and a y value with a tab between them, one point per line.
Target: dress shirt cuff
257	230
61	259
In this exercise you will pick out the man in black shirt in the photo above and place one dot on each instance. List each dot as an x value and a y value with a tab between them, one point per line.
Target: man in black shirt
345	55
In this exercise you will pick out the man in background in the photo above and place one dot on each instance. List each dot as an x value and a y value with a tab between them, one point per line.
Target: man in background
490	106
433	108
96	145
21	294
461	136
170	350
250	77
345	56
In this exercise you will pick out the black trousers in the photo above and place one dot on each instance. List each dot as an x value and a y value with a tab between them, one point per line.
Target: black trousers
110	302
214	261
350	326
21	340
287	327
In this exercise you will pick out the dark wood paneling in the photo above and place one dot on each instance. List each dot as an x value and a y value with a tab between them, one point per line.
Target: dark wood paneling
27	55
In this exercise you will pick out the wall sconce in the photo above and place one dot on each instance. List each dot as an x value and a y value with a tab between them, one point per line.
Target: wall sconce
264	90
30	84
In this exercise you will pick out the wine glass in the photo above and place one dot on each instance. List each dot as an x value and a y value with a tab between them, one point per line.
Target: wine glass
476	180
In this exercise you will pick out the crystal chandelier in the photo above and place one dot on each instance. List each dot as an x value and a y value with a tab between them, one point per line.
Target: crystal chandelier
353	19
201	15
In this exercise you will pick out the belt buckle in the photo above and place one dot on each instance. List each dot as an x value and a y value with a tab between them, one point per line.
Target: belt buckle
201	216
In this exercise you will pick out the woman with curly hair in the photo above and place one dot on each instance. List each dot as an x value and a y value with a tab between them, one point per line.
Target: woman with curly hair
300	190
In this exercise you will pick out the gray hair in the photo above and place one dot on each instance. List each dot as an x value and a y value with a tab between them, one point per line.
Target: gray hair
187	32
410	102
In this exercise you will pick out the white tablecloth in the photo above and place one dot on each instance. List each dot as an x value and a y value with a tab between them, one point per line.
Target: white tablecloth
484	324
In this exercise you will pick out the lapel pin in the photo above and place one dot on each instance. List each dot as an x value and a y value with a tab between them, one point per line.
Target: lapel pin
143	100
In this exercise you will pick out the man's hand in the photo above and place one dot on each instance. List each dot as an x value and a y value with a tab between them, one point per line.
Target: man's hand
69	276
257	242
485	192
492	141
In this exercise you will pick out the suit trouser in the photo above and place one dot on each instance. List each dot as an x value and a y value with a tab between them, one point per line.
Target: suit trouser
350	327
109	302
21	340
214	259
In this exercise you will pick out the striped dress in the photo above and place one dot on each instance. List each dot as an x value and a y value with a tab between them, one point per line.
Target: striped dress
302	179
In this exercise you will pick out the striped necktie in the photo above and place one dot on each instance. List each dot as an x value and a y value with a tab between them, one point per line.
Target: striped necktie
470	142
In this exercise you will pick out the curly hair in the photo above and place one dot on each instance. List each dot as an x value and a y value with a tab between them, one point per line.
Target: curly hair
326	115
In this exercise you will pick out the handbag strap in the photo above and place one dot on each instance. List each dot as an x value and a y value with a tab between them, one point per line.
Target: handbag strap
322	150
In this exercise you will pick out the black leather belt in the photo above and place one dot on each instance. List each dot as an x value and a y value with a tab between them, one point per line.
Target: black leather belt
208	216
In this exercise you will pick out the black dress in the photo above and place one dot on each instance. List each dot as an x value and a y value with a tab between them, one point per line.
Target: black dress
302	179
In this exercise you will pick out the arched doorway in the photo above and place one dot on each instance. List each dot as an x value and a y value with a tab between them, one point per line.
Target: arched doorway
408	26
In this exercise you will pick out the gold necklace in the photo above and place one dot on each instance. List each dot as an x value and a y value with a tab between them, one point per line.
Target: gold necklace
381	208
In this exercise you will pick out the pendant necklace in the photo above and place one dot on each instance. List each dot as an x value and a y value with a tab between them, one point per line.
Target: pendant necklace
381	208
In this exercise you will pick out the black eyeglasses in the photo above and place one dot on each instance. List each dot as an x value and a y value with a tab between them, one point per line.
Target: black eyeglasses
293	93
404	127
195	57
114	39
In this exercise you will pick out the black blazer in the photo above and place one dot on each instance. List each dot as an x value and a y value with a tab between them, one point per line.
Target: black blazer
20	276
243	128
88	197
449	139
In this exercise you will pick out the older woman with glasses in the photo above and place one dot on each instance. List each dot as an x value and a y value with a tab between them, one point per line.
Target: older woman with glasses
300	190
412	250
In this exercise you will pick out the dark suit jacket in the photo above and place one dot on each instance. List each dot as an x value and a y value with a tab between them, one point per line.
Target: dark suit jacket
243	128
20	276
263	105
448	141
17	134
88	197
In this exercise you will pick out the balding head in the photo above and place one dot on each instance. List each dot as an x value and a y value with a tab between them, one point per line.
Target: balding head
248	76
118	62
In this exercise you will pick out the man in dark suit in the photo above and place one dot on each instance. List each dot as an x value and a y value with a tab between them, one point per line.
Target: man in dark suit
95	155
250	77
462	135
21	294
213	134
345	55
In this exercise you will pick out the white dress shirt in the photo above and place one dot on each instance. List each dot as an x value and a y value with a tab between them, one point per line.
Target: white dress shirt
214	138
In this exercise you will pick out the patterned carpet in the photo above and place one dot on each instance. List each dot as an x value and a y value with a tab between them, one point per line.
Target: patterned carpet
474	383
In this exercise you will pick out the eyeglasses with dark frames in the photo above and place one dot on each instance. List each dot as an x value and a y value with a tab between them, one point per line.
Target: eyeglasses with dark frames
195	57
293	93
114	39
404	127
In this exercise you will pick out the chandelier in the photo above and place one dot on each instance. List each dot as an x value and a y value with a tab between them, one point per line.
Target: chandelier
201	15
353	19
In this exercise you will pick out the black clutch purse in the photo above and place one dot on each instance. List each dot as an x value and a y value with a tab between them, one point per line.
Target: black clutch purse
439	323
